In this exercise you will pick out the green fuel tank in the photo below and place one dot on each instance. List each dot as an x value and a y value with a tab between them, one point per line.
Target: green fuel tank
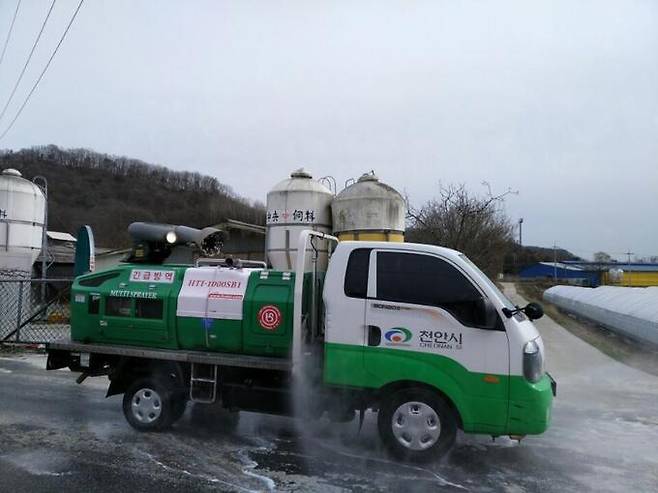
209	308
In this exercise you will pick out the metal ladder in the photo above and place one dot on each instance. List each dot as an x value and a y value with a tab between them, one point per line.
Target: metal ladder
203	383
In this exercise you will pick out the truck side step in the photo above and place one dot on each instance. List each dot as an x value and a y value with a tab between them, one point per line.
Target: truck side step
203	383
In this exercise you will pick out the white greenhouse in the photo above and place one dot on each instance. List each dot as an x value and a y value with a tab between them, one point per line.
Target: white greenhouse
632	312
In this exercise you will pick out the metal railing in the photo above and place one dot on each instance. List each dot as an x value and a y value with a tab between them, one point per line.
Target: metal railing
34	310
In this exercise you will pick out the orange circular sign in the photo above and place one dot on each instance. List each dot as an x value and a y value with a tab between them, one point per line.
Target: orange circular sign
269	317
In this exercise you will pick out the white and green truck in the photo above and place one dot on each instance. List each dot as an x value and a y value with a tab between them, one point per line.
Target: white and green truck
415	332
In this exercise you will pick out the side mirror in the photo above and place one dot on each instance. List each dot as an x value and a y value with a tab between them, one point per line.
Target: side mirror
533	311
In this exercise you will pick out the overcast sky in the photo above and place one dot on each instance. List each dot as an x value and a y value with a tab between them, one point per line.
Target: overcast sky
555	99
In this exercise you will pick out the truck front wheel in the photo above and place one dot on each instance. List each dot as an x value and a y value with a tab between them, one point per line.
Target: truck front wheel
148	405
416	424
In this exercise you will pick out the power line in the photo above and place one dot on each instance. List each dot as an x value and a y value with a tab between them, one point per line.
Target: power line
29	95
29	57
11	28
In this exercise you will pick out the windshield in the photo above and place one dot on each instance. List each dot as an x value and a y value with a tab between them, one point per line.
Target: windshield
489	283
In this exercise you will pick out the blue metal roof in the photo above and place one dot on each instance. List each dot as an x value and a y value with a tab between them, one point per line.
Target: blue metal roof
599	266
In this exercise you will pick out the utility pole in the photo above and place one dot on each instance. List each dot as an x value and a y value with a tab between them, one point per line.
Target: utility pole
521	232
629	253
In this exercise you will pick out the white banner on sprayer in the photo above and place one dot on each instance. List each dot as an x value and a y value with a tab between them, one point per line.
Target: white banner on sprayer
211	292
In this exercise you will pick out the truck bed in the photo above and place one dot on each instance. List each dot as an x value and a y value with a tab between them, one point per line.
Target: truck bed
205	357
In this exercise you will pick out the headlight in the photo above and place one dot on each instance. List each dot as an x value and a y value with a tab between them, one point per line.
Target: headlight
533	362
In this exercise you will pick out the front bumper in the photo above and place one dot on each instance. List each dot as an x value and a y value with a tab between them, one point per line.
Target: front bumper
530	405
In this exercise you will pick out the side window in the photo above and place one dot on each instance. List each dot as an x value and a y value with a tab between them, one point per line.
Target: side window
94	304
117	307
148	308
427	280
356	275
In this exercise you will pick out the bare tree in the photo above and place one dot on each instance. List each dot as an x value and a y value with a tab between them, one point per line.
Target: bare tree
474	225
602	258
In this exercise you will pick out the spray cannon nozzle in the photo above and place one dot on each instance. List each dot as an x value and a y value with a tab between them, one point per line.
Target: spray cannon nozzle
208	240
212	241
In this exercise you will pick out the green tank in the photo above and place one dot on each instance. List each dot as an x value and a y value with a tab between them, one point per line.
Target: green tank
246	311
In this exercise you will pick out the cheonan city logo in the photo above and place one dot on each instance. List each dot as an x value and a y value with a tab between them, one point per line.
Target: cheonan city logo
398	336
440	339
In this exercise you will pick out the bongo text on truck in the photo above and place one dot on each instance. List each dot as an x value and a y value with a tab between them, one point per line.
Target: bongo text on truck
415	332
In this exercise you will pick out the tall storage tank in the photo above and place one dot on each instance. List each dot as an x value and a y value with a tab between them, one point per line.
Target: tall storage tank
22	214
293	205
369	210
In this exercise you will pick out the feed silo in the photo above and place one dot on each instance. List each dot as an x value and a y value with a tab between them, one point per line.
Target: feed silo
369	210
293	205
22	210
22	214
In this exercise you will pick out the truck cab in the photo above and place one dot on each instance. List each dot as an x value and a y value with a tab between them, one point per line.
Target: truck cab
426	330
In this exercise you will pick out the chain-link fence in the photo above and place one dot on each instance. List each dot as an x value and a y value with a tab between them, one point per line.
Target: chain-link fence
34	310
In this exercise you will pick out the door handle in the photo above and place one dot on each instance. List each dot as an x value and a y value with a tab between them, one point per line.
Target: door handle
374	335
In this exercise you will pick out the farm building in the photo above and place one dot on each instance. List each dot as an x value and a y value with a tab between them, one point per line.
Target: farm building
562	272
245	241
594	273
625	274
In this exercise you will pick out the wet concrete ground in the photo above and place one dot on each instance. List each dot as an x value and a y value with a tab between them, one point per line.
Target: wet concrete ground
56	435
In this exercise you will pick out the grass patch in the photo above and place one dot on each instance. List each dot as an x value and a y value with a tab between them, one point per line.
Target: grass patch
618	347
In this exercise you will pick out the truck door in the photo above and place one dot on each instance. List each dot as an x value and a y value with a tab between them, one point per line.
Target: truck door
345	308
426	320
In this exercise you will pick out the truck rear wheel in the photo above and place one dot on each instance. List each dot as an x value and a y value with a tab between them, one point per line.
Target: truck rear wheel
148	405
416	424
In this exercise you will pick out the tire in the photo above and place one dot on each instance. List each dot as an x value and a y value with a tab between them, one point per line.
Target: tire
149	404
416	424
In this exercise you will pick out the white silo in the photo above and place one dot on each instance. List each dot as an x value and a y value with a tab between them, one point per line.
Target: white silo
369	210
22	214
22	210
293	205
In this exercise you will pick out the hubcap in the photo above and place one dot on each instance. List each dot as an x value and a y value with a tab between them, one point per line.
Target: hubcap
416	425
146	405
